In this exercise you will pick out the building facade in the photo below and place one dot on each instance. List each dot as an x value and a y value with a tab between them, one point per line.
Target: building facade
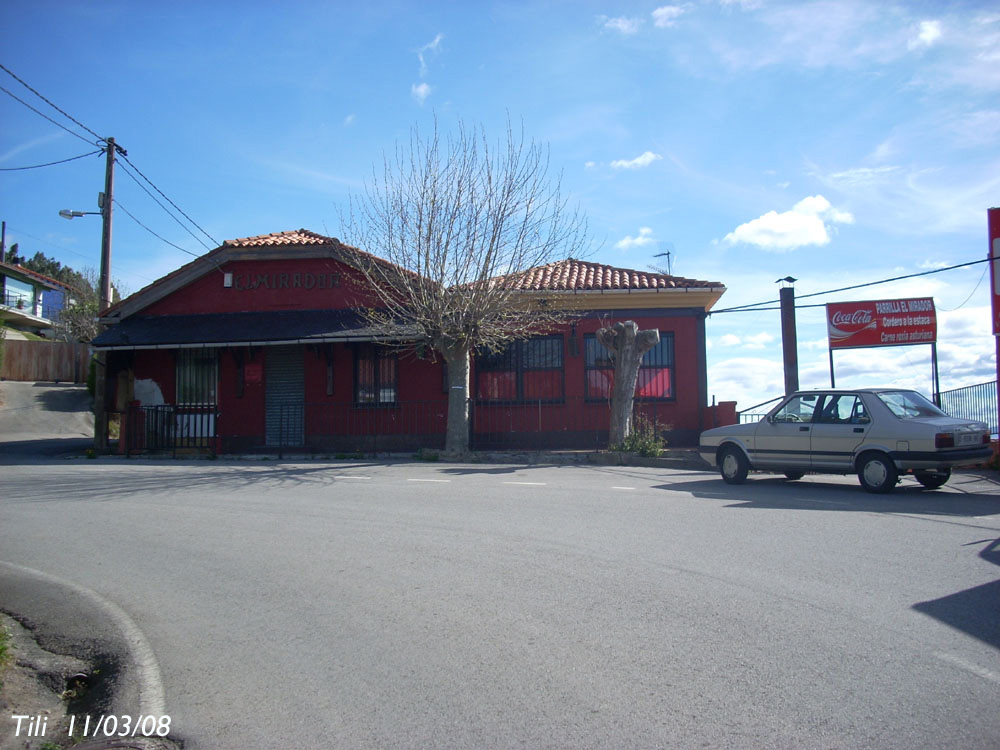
30	301
260	346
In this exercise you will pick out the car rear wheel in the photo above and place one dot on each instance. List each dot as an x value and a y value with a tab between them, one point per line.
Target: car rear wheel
933	479
733	465
877	473
793	475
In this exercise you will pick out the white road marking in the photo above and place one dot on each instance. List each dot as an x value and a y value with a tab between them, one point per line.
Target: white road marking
623	488
348	476
533	484
428	480
975	669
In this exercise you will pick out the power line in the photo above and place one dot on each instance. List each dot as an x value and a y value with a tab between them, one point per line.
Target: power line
755	306
167	210
42	114
61	248
52	163
9	72
216	242
129	213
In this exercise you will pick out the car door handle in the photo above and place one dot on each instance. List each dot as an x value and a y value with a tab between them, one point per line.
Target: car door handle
803	429
859	429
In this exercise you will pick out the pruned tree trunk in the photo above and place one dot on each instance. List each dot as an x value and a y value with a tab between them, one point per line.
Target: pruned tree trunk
627	343
457	434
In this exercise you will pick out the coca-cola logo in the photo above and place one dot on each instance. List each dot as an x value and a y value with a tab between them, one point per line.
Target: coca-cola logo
855	318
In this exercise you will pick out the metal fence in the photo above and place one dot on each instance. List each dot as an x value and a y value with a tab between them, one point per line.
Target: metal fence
169	428
415	425
977	402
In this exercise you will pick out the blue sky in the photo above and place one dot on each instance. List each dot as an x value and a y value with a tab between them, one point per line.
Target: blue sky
838	142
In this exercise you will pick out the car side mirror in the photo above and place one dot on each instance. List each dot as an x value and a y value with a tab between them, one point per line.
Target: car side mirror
864	420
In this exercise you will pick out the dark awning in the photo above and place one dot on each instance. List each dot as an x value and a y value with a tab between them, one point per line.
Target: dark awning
240	329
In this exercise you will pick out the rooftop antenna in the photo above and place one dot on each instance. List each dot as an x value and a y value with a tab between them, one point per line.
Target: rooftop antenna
670	264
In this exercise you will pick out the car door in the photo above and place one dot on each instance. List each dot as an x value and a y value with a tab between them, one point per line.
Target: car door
782	440
839	426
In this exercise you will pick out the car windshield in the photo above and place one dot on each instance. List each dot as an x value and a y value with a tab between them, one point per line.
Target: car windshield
909	404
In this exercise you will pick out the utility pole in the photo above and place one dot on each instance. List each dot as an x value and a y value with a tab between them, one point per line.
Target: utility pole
789	343
100	358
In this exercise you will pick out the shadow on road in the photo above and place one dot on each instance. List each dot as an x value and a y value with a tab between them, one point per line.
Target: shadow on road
973	611
777	493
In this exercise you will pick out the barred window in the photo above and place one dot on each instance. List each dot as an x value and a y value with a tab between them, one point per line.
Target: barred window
656	373
375	375
197	376
528	370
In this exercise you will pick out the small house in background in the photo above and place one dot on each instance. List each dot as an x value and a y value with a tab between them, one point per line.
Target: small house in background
259	345
31	301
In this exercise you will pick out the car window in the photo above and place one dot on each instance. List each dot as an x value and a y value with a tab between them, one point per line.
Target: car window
909	404
797	409
842	409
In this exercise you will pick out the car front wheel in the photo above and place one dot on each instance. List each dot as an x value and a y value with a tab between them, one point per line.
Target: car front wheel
933	479
877	473
733	466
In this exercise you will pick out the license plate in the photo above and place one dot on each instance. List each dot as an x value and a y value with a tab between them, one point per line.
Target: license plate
969	439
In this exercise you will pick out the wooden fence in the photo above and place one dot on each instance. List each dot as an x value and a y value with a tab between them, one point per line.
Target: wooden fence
44	361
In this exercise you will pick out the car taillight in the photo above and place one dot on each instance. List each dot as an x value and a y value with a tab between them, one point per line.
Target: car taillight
944	440
986	439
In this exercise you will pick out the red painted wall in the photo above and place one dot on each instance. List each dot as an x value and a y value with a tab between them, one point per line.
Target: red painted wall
296	284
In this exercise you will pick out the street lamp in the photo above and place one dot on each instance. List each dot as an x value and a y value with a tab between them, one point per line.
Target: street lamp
67	214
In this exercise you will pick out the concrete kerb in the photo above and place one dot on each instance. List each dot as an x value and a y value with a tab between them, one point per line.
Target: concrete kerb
675	458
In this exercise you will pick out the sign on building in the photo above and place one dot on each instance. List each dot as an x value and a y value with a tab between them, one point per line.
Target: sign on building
892	322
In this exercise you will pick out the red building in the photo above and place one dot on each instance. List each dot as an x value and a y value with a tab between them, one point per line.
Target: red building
259	346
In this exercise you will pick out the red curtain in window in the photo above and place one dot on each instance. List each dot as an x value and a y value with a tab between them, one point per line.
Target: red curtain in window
497	386
654	382
543	385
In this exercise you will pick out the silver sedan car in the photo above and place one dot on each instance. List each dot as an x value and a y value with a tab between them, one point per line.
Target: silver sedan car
878	433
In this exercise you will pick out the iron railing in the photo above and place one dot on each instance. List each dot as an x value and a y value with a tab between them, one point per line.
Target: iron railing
167	427
572	423
977	402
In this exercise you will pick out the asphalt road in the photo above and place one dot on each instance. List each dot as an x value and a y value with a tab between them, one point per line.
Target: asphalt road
372	605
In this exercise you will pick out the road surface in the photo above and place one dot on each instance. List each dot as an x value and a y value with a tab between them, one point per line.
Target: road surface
405	605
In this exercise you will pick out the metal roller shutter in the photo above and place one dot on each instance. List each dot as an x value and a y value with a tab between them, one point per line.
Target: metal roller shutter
285	398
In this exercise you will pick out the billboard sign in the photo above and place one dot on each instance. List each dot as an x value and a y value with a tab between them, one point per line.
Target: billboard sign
890	322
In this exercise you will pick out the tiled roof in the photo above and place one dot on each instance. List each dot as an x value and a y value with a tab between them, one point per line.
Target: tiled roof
573	275
36	276
279	239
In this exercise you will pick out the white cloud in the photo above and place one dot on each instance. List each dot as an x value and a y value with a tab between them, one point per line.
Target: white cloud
805	224
758	341
919	201
420	92
431	47
730	339
643	160
667	15
645	237
624	25
930	32
590	164
349	120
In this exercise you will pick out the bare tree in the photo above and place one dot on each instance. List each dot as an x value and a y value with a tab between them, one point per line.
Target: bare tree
460	220
78	318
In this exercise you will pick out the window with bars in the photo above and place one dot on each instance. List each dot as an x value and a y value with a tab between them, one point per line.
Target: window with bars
527	370
197	376
656	373
375	375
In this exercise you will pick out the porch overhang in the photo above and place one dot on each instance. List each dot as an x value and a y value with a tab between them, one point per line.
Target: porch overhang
272	328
